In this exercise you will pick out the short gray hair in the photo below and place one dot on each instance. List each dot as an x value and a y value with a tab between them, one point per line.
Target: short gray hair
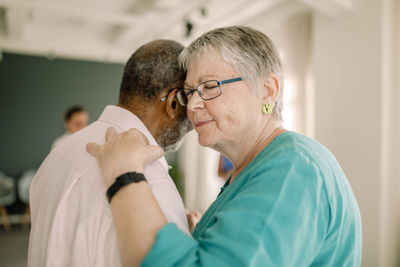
250	52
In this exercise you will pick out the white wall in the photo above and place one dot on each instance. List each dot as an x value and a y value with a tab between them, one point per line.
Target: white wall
390	208
200	168
351	118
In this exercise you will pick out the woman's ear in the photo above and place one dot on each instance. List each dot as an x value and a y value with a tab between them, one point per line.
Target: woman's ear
271	88
171	104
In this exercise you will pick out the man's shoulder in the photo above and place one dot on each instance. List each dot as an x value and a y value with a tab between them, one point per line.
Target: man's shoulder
73	148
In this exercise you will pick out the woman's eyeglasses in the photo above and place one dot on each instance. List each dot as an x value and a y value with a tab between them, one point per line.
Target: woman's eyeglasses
207	90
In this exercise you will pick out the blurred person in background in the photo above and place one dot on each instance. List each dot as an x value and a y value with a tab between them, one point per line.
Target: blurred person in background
75	118
71	220
287	202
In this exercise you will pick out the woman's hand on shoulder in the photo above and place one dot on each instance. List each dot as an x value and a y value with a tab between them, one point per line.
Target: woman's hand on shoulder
124	152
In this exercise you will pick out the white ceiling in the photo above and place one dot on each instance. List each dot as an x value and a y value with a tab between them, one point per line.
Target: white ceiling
110	30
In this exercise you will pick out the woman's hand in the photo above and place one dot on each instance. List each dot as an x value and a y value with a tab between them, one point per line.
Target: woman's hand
124	152
193	217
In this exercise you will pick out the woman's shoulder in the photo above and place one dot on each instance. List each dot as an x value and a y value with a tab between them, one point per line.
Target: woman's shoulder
293	156
285	170
296	146
295	141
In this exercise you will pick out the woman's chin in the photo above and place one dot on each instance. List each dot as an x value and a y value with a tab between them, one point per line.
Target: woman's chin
206	142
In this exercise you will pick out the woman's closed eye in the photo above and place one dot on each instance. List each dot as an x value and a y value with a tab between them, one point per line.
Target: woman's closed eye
210	85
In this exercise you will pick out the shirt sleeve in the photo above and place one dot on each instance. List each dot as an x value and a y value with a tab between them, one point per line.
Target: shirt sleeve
279	217
170	203
167	195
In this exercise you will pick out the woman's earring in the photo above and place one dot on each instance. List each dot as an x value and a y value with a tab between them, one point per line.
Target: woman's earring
267	108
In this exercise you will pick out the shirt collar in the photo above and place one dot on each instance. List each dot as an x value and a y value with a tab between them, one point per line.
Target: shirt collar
125	120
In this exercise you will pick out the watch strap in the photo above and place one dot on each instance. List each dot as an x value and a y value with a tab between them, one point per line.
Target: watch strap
123	180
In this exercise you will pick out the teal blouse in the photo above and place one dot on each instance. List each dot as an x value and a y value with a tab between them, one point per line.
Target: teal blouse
291	206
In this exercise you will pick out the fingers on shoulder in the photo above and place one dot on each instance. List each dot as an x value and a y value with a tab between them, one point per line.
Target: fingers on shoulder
136	133
110	133
93	148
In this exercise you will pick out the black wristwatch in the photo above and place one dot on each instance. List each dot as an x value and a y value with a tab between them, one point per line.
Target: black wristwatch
123	180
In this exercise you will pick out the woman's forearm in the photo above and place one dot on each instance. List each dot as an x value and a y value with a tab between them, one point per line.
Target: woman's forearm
137	219
136	214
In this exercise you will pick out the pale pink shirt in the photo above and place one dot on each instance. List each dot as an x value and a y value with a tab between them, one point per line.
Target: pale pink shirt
71	218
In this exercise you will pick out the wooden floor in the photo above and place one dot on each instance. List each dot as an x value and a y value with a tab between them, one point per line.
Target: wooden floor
14	246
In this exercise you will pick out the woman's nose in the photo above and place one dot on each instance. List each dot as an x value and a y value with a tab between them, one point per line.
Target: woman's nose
195	102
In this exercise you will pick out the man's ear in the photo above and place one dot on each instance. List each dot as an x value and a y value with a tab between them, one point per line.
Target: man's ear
171	104
271	88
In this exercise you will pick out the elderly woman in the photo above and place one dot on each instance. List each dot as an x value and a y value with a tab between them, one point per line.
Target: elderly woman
287	203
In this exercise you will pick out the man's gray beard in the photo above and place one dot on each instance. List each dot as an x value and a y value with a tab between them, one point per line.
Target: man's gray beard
172	137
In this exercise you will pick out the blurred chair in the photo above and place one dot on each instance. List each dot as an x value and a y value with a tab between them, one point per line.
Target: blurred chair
7	197
24	184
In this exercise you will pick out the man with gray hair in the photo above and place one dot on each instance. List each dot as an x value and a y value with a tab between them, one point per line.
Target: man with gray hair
71	219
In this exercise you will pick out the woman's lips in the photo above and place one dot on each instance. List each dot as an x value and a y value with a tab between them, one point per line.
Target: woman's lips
202	123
